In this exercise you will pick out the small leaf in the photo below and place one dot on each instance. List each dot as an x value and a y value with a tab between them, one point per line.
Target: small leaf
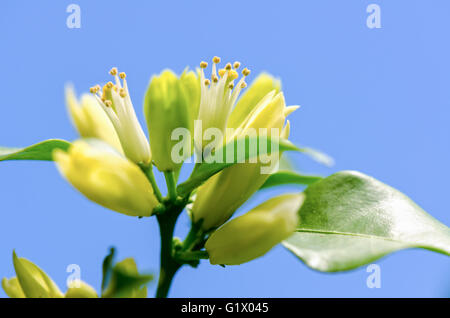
205	170
289	177
39	151
126	282
350	219
318	156
107	267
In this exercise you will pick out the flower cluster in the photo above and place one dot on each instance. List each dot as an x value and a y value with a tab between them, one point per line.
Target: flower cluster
112	163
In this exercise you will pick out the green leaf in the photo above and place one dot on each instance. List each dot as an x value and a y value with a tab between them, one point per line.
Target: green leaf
126	282
39	151
350	219
107	267
289	177
205	170
318	156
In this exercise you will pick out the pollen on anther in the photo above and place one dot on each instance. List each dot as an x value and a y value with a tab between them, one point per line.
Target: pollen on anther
236	65
122	75
215	79
207	82
243	85
231	86
246	72
228	66
108	103
122	93
222	72
233	74
216	59
113	71
203	64
94	89
109	85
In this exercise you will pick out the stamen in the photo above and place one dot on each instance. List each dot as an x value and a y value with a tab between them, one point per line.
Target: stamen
243	85
236	65
113	71
108	103
109	85
216	59
215	78
231	86
122	93
203	64
207	82
122	75
246	72
94	89
222	72
233	75
228	66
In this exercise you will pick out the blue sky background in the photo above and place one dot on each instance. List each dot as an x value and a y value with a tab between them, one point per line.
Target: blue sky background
377	100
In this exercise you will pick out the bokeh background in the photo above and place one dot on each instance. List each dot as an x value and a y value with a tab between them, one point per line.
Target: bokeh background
377	100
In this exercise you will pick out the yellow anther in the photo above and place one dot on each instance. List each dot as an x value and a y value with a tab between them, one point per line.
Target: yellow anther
215	78
236	65
228	66
222	72
246	72
122	75
122	93
231	86
94	89
109	85
232	75
108	103
243	85
203	64
207	82
216	59
113	71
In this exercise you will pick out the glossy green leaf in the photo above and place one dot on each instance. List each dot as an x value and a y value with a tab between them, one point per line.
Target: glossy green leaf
205	170
350	219
289	177
39	151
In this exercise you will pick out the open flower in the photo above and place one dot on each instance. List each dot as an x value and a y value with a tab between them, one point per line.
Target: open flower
116	102
90	120
218	96
107	178
253	234
234	185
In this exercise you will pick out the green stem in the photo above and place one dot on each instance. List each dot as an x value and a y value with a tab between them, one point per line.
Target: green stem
148	170
193	256
171	185
192	237
169	266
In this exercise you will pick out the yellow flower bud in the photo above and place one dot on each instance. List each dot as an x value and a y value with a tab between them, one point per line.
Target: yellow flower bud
34	282
223	193
12	287
90	120
107	178
255	233
191	84
167	107
79	289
